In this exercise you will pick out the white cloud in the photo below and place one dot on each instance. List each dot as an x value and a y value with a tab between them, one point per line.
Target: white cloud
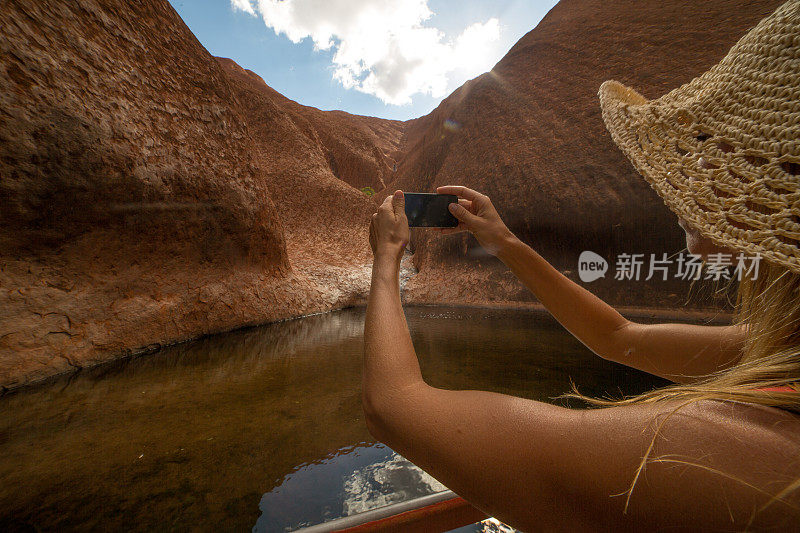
243	5
381	47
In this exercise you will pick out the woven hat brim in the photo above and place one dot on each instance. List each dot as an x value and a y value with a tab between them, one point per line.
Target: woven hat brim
620	104
657	155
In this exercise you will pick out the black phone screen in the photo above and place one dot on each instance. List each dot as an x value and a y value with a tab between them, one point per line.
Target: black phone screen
430	210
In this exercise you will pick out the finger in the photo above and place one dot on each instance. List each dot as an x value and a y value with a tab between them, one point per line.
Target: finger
461	213
399	203
466	203
458	190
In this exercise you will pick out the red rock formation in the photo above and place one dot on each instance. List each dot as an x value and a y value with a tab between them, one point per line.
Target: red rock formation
315	162
358	150
143	202
529	135
150	193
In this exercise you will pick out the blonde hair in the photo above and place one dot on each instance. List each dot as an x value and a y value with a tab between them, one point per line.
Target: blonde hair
769	308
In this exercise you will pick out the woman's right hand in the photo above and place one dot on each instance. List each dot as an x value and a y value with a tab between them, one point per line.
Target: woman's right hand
476	214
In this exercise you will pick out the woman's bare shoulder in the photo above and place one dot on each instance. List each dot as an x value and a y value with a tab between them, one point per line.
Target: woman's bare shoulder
729	457
773	429
759	422
743	425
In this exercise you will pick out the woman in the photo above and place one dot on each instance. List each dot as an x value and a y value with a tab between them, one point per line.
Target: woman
720	449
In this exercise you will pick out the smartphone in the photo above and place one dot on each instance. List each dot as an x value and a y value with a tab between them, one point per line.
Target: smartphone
429	210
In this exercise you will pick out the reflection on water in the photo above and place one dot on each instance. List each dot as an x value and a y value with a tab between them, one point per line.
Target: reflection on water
261	426
351	481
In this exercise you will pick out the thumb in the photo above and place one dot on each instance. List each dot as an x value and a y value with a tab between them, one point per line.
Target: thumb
399	203
461	213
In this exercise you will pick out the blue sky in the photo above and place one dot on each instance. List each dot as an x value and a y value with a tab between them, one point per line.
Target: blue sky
387	58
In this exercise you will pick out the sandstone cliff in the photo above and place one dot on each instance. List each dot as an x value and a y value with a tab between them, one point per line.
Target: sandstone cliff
147	199
315	164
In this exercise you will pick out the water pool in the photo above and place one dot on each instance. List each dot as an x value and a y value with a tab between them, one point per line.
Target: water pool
259	429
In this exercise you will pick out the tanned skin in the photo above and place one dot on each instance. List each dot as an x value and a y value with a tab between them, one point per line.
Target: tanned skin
541	467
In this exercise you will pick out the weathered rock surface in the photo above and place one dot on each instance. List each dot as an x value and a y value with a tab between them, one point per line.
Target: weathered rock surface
151	193
315	162
143	202
360	151
530	136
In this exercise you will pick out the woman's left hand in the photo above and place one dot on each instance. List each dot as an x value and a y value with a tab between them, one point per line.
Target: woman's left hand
388	231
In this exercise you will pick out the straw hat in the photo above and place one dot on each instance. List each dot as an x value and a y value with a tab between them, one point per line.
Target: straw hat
722	151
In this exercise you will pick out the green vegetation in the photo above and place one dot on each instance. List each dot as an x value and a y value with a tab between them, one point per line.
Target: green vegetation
368	191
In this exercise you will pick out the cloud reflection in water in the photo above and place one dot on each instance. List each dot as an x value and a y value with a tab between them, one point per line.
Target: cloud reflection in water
350	481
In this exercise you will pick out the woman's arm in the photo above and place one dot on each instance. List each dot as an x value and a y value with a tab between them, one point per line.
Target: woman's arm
538	466
392	365
680	352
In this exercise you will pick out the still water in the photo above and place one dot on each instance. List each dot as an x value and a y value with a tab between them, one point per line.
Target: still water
260	429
